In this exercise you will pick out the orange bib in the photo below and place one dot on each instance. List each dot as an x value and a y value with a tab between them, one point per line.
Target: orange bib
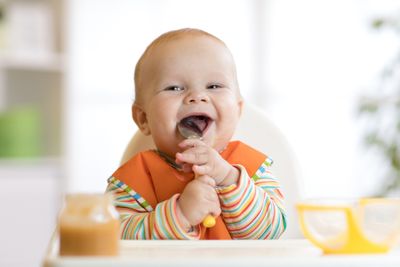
155	180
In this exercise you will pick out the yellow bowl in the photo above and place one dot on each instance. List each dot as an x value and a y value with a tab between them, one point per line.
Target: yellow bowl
368	225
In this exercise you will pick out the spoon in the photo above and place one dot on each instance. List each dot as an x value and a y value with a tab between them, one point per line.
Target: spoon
190	133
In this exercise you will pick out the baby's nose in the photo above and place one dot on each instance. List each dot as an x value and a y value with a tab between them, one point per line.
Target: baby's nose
196	96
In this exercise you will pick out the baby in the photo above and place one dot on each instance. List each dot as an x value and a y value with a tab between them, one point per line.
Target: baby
187	79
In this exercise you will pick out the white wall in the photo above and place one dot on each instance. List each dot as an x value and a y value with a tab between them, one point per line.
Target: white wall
322	56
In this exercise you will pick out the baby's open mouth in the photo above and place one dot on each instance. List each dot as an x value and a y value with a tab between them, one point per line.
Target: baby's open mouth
194	125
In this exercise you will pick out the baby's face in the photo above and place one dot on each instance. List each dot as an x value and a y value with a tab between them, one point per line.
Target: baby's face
192	77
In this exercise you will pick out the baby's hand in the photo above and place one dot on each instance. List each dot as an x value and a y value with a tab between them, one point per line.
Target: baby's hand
197	200
204	160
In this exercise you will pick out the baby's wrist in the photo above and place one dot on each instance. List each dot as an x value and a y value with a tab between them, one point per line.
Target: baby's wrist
231	178
183	221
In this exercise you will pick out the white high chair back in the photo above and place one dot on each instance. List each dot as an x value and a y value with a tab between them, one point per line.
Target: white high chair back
258	131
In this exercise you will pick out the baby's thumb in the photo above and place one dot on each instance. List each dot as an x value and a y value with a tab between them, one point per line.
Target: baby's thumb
207	180
216	211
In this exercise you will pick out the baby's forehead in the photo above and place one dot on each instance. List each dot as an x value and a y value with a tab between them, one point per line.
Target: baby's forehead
192	34
189	47
200	51
177	42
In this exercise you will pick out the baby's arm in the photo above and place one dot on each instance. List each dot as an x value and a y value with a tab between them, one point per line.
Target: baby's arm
253	208
140	221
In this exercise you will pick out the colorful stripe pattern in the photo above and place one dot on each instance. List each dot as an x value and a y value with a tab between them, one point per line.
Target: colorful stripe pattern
138	199
140	221
252	209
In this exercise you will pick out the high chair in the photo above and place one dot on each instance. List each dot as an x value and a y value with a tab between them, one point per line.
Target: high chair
258	131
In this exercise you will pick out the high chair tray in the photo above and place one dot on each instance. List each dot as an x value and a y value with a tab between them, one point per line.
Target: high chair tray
285	252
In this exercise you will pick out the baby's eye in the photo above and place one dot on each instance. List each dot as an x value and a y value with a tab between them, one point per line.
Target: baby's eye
214	86
174	88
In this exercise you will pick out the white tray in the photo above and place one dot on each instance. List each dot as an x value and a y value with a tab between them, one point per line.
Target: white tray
296	252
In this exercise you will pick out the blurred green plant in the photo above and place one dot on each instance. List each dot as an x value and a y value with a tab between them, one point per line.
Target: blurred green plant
382	110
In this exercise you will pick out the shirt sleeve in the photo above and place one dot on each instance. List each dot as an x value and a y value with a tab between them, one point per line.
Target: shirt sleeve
253	208
140	221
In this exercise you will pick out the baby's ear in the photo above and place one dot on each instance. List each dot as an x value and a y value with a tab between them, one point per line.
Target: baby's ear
240	104
140	118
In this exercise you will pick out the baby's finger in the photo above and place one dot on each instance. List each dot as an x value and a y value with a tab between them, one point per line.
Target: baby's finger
198	158
195	149
191	142
215	210
207	180
186	167
201	169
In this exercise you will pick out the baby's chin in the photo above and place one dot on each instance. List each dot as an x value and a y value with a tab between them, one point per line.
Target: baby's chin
221	147
218	144
218	139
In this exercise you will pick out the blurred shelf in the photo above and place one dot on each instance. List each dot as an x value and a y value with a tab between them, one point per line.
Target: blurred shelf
46	167
40	62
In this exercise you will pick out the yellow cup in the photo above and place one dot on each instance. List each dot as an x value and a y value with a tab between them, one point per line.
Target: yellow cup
368	225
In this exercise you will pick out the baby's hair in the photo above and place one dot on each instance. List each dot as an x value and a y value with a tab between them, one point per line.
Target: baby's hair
165	38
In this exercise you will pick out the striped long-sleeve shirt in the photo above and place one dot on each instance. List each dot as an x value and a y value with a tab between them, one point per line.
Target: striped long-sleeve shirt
251	209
